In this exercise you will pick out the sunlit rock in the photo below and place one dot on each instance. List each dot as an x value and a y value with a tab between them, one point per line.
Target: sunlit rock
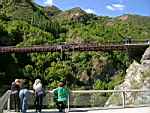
137	77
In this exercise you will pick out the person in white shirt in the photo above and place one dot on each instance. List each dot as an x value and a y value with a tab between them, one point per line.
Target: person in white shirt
39	93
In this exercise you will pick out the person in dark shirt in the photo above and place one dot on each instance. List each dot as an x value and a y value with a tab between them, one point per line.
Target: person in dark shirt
15	88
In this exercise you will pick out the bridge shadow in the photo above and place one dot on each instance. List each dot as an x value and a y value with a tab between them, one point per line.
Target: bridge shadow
45	112
93	109
59	112
78	110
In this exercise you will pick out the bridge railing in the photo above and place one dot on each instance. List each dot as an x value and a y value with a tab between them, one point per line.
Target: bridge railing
101	99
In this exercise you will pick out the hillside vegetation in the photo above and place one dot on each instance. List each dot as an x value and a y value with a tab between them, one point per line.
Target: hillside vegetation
24	23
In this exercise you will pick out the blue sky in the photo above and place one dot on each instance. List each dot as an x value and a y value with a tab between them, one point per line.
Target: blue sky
103	7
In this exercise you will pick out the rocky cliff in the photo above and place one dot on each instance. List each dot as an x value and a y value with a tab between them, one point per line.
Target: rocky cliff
137	77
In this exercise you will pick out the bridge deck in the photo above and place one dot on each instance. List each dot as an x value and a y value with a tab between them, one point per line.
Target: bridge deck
71	47
125	110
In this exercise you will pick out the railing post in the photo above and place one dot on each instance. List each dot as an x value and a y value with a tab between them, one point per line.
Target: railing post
68	104
123	99
8	104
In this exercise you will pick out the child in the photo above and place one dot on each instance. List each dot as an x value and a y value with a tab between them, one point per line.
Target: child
61	96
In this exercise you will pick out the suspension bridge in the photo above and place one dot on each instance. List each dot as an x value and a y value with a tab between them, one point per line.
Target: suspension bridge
72	47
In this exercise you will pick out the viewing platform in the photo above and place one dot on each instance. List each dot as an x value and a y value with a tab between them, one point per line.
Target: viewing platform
75	110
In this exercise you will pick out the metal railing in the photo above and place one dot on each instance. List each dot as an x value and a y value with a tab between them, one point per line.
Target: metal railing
91	99
5	99
125	96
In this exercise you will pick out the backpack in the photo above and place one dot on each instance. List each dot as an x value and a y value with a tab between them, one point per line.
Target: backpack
41	92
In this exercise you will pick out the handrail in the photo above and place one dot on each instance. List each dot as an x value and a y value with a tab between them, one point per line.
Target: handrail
109	91
123	92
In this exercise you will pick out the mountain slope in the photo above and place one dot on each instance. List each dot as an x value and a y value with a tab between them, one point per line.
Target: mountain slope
51	10
73	15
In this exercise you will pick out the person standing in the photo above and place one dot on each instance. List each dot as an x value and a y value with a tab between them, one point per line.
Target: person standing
23	95
39	94
15	88
61	96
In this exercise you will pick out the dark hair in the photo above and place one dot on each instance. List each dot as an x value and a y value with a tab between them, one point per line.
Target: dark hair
25	84
61	84
63	81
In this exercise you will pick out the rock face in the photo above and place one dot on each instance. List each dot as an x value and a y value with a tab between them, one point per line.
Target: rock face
146	58
137	77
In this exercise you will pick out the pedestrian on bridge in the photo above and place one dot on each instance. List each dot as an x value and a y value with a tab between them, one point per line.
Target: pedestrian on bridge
39	94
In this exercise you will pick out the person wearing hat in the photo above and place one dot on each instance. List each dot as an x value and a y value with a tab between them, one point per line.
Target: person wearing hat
61	96
15	88
39	94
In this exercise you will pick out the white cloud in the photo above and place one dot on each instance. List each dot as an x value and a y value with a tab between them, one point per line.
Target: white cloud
48	2
115	7
119	6
90	11
110	7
